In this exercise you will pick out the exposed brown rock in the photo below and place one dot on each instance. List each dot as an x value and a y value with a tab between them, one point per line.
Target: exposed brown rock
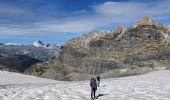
84	40
120	30
168	28
144	21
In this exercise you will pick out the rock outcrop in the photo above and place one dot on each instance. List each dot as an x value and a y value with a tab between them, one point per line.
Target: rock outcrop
84	40
168	28
136	50
144	21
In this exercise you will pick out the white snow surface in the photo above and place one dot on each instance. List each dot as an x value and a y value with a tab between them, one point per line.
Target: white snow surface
152	86
12	44
11	78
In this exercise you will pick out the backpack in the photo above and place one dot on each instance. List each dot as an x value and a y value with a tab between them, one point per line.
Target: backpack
93	83
98	78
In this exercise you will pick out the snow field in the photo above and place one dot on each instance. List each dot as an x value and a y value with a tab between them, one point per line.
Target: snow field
152	86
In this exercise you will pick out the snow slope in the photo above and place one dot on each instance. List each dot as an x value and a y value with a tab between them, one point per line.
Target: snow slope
9	78
152	86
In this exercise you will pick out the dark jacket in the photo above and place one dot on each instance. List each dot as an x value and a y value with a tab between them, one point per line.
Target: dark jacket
93	83
98	78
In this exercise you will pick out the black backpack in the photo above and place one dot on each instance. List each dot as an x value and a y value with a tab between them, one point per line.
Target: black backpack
98	78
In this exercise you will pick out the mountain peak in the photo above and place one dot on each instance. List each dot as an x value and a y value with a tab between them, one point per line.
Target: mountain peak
38	44
144	21
44	45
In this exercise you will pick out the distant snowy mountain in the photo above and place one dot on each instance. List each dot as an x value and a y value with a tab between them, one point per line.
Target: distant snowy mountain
14	57
12	44
42	44
39	44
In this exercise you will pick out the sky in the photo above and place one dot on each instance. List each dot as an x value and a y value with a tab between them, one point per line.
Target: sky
56	21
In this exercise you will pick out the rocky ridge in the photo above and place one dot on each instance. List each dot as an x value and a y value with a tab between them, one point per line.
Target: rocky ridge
142	48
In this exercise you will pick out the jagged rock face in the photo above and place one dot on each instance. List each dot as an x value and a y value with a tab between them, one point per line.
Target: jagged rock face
144	21
86	38
123	52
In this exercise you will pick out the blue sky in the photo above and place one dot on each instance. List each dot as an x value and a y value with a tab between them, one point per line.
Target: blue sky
56	21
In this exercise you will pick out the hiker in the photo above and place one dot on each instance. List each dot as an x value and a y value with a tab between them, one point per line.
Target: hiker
93	85
98	80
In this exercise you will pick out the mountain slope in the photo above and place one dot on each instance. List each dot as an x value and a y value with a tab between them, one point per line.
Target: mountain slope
39	53
142	48
20	57
17	63
12	78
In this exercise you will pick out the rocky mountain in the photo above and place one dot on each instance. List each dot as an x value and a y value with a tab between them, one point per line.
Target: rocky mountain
40	53
20	57
17	63
143	47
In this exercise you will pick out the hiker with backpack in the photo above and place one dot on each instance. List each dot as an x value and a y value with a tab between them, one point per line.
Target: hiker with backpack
93	85
98	80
